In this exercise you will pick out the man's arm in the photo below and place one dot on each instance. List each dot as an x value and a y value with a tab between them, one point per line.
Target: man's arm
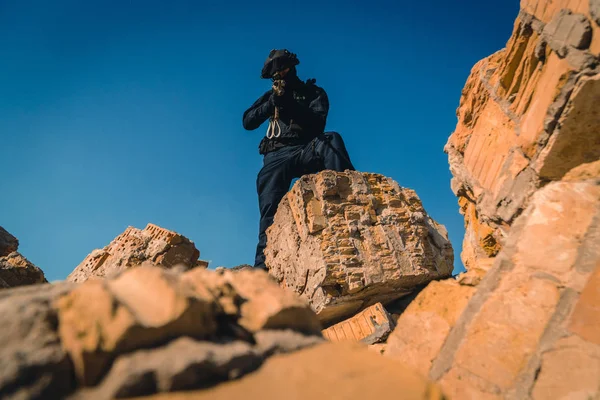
258	112
314	116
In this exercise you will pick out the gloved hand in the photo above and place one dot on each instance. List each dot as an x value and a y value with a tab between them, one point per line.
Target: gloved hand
281	101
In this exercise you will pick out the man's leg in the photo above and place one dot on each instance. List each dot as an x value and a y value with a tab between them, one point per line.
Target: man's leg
327	151
272	183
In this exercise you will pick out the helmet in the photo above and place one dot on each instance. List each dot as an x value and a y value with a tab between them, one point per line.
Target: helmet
277	61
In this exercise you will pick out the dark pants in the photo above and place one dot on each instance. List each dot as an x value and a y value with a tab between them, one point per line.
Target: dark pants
280	167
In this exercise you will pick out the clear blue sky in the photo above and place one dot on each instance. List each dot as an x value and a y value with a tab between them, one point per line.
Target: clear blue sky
117	113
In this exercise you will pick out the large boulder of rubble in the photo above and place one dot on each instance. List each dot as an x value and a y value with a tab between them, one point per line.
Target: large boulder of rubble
15	269
522	322
134	247
528	114
347	240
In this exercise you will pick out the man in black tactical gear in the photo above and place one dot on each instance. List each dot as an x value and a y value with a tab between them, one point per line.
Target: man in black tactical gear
295	143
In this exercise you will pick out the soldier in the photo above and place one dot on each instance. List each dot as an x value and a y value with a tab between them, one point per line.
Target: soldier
295	143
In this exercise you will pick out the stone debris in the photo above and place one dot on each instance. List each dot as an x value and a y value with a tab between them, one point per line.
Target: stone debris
147	306
135	247
345	241
527	116
152	330
370	326
522	322
16	270
145	331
